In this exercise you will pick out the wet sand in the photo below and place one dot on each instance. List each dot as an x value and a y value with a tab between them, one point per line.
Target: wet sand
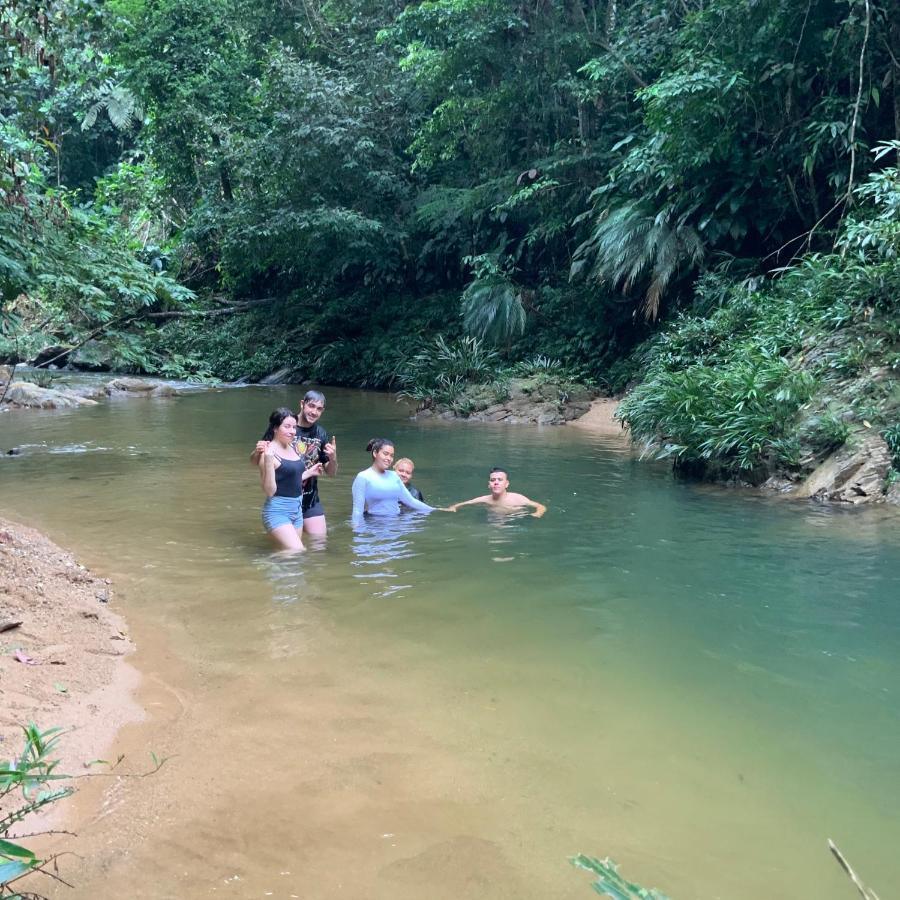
65	664
600	419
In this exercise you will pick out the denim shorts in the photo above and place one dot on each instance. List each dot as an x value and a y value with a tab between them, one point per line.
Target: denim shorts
278	511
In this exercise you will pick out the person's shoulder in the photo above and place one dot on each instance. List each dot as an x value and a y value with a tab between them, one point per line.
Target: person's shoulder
515	497
313	431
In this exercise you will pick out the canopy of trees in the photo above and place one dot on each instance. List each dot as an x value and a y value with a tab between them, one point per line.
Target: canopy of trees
330	184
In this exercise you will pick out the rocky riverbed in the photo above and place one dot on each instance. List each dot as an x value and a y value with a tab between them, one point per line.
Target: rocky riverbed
27	393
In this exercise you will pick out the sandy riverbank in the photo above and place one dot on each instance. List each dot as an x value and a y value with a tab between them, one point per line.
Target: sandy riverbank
600	419
65	664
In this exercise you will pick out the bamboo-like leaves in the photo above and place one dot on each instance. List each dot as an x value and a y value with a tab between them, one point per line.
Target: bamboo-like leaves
631	247
492	309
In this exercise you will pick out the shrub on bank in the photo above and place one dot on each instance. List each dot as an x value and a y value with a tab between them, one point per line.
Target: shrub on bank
773	377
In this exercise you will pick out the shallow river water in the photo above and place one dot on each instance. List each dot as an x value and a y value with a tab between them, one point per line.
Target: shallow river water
700	683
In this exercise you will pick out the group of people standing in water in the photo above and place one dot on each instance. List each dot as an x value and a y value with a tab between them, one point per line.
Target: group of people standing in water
296	451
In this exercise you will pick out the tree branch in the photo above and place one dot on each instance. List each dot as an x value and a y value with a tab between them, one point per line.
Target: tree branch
206	313
605	45
856	106
173	314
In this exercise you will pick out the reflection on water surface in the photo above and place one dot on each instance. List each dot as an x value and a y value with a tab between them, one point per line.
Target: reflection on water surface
699	683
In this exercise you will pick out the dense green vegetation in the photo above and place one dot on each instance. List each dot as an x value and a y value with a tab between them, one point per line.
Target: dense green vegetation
223	188
774	375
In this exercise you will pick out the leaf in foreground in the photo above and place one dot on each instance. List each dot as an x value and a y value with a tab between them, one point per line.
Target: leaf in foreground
610	883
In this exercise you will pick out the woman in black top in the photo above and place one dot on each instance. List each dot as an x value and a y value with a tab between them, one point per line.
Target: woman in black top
282	473
312	444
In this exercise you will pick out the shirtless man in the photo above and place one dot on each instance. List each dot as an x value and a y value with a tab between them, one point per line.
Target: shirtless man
501	497
314	446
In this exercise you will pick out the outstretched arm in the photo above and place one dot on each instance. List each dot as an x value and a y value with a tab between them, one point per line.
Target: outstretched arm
407	499
483	499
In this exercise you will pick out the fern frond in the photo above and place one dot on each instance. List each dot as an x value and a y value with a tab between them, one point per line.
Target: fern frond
632	245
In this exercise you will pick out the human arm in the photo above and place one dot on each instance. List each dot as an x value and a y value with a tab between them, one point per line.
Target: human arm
312	472
330	464
359	499
522	500
267	464
258	451
407	499
475	500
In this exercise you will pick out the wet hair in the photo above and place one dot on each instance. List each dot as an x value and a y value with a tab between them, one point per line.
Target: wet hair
316	396
275	420
498	469
404	459
377	443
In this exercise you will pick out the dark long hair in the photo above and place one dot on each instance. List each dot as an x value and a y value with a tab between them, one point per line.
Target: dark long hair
377	443
275	420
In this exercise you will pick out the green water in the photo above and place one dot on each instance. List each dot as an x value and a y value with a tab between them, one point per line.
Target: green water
702	684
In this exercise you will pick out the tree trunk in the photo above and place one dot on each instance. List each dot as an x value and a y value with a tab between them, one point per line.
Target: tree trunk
894	33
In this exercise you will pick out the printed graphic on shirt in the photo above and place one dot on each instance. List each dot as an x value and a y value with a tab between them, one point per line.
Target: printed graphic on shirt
310	446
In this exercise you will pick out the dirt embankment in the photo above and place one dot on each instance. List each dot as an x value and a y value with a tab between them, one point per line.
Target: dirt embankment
62	650
601	419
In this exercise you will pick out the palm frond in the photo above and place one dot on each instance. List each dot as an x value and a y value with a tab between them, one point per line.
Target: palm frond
492	309
631	246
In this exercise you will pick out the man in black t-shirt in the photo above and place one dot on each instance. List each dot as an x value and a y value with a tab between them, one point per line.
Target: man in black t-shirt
315	447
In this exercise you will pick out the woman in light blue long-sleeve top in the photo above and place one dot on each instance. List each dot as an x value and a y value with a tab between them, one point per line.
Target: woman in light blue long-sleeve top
377	490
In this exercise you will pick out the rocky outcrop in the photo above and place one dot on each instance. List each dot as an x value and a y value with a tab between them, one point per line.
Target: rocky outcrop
282	376
528	401
856	473
93	356
26	394
54	356
139	387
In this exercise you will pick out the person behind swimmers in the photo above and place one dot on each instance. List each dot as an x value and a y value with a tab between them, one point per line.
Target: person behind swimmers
500	497
377	490
282	473
314	446
404	468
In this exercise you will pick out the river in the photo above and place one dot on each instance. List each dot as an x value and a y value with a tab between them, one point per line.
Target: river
699	683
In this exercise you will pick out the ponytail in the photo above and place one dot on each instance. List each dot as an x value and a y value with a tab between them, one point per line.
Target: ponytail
377	443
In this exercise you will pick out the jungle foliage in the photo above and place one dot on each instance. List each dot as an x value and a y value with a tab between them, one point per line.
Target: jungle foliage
226	187
775	374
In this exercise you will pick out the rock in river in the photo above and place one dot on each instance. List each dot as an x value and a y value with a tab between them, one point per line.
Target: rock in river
24	393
